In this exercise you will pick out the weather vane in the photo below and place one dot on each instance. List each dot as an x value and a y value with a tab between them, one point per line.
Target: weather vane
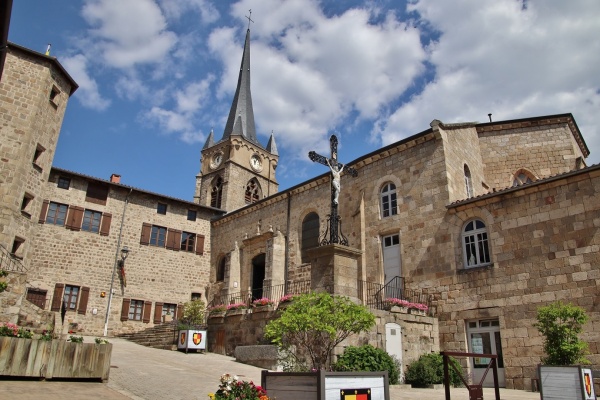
250	18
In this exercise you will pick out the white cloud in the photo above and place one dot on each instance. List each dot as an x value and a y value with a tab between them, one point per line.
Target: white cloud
174	9
88	93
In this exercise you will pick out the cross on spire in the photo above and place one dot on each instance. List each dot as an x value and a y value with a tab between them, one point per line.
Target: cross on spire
336	168
249	18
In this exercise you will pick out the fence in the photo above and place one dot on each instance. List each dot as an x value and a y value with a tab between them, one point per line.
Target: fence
9	262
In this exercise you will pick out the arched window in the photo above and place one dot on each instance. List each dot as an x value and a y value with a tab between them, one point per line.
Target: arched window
522	177
221	269
310	234
253	192
475	244
468	182
389	203
216	193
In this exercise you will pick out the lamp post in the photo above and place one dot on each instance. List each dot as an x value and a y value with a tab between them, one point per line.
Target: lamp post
124	254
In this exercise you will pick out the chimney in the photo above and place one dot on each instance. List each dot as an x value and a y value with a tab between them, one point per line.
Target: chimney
114	178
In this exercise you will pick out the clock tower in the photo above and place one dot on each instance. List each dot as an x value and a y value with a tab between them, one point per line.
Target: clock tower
237	170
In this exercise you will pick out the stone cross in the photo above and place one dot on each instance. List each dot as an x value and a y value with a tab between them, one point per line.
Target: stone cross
336	168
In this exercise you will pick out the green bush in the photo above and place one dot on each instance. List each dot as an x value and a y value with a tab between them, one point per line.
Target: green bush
368	358
429	370
76	339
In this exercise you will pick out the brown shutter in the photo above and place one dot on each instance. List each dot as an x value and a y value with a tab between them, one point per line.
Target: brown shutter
179	311
125	309
105	227
173	239
83	301
158	307
44	212
146	312
58	297
74	218
146	228
199	244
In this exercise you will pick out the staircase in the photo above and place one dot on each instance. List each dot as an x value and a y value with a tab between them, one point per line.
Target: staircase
163	336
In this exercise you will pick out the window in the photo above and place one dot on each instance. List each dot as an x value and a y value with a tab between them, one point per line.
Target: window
158	236
136	308
91	221
253	192
389	203
310	234
522	177
216	193
54	92
161	208
26	205
17	247
475	244
70	297
188	241
96	193
64	183
57	213
221	269
39	150
196	296
37	297
191	215
169	309
468	182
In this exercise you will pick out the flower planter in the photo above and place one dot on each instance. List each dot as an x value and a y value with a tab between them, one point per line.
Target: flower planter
238	311
193	339
415	311
260	309
219	314
398	309
54	359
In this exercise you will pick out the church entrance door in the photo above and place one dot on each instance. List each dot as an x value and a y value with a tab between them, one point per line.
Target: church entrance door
258	276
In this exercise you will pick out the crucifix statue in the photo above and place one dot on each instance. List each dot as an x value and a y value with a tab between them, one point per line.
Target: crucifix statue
336	168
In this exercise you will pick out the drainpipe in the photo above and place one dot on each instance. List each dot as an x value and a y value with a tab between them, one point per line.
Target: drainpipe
112	279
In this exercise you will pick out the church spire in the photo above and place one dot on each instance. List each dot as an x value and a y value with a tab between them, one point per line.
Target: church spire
241	115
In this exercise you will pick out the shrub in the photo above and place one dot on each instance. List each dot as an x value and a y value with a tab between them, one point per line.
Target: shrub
46	335
101	341
193	313
76	339
367	358
3	286
9	329
429	370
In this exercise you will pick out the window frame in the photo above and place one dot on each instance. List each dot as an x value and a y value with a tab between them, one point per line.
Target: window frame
468	181
188	241
192	215
310	235
161	208
89	226
137	306
477	239
53	216
63	182
220	277
216	192
155	236
388	200
69	298
253	191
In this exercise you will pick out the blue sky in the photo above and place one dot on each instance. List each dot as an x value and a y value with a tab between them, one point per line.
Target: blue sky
156	75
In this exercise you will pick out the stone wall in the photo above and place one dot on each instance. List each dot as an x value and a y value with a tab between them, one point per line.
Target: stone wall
12	297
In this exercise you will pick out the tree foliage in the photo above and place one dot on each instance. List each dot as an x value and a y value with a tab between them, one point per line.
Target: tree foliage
368	358
315	323
560	324
193	313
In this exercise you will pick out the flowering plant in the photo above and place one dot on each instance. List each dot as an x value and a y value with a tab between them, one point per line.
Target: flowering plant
232	389
76	339
9	329
237	306
392	301
217	309
419	306
287	298
46	335
262	302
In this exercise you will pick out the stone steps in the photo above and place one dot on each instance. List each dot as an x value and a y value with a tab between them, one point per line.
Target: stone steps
161	336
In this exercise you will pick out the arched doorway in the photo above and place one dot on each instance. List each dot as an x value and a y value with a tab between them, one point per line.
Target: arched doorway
258	276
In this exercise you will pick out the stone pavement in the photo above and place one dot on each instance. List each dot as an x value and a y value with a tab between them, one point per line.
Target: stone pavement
139	372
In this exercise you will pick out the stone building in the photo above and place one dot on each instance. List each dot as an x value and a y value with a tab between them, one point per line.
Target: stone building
486	221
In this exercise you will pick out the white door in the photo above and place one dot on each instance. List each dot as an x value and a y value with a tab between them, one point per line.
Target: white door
392	265
484	338
393	340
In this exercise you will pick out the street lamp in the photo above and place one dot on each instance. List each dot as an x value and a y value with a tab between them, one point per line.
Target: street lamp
121	263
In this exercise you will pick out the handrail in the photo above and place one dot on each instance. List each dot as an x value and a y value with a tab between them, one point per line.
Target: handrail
8	262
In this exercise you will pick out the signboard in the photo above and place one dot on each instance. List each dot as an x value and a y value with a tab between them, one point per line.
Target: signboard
356	394
572	382
588	384
191	339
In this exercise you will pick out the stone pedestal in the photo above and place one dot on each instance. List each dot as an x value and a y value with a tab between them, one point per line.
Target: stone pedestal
334	269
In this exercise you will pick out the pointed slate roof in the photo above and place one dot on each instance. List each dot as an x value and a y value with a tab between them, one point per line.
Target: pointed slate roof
271	146
241	115
210	140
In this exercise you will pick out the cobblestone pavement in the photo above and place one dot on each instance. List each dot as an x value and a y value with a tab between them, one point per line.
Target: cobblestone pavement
139	372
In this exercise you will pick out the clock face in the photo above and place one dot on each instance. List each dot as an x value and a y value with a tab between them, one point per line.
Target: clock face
256	163
216	160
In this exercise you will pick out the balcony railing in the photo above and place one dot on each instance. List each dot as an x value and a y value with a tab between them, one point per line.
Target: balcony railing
8	262
274	293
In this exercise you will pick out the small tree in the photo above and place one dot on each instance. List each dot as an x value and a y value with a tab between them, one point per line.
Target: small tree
315	323
193	313
561	324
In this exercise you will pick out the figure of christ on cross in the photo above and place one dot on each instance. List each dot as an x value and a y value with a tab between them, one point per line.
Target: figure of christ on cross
335	234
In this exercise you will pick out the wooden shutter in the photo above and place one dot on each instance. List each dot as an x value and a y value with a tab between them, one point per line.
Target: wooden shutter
146	229
105	227
179	311
199	244
44	212
158	307
58	297
146	311
74	218
125	309
173	239
83	300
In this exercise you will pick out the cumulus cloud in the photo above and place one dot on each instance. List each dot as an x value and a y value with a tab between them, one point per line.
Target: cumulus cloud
88	93
174	9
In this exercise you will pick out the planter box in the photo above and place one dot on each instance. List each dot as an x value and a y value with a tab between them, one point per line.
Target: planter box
399	309
322	385
566	382
193	339
54	359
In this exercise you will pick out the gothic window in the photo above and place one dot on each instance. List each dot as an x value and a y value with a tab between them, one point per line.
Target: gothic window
468	182
522	177
389	204
216	193
310	234
475	244
253	192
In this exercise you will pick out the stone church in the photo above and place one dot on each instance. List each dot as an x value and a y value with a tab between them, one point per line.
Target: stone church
483	222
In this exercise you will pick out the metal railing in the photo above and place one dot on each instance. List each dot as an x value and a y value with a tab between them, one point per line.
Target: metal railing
274	293
8	262
374	294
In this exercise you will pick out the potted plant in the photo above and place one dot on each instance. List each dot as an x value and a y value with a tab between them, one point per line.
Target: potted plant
236	308
192	332
262	304
217	311
396	305
286	301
